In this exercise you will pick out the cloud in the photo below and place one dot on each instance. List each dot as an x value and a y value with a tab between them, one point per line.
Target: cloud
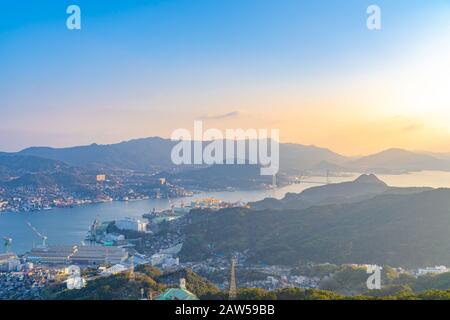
413	127
228	115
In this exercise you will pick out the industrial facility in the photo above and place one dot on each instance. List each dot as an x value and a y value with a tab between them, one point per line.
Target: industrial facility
83	255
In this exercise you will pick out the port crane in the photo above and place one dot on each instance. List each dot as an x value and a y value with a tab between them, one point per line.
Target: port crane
40	235
7	243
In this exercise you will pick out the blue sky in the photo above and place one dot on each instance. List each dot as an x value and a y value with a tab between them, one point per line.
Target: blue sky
139	68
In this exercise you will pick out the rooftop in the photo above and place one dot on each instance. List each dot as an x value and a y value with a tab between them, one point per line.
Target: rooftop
176	294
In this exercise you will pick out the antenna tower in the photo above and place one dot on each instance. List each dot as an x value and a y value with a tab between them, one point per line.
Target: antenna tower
233	290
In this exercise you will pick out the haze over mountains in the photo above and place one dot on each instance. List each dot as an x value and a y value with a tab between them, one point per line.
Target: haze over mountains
150	154
394	160
40	166
154	153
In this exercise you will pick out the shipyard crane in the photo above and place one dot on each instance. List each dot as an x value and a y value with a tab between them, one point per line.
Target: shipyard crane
7	243
40	235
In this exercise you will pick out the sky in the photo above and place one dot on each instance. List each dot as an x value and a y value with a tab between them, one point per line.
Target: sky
311	69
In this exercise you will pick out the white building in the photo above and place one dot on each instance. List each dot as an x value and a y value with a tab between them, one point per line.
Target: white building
170	262
172	250
273	281
158	258
115	269
132	224
432	270
9	262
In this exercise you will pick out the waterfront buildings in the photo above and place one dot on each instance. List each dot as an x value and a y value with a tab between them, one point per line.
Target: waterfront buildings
432	270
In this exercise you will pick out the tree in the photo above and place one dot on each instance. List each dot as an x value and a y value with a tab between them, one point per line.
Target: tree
255	294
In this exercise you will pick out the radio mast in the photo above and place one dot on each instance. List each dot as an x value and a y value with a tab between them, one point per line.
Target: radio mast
233	290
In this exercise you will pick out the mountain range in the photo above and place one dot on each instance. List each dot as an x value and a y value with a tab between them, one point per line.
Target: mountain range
140	154
153	154
398	160
37	166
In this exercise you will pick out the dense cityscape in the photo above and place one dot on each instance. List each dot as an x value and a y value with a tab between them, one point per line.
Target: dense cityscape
104	188
125	246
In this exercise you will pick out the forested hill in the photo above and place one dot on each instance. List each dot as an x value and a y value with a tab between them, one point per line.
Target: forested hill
364	187
408	230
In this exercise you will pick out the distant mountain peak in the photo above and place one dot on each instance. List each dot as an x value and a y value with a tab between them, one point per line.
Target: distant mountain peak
395	150
369	178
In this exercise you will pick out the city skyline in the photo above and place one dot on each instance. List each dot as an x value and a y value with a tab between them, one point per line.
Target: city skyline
145	68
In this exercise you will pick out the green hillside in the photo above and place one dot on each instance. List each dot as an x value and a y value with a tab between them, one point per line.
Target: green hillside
396	229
